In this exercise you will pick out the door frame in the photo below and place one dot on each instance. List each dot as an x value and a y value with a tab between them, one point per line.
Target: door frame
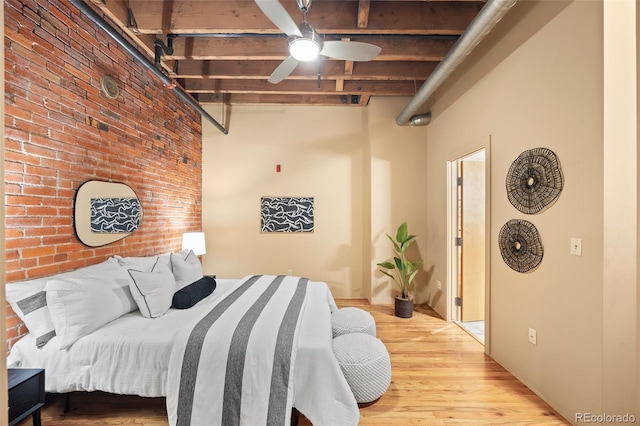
452	257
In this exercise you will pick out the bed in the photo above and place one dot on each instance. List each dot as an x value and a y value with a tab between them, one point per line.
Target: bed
135	355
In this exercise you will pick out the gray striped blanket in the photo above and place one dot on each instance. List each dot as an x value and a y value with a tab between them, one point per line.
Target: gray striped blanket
234	365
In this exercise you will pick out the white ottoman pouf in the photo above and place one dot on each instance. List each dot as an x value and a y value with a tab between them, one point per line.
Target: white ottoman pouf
352	320
365	363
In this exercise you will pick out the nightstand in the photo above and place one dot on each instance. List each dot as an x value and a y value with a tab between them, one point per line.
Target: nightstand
26	394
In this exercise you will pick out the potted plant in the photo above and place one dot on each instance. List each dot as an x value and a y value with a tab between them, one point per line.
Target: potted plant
401	270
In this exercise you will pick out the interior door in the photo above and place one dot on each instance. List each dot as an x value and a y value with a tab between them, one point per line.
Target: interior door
472	230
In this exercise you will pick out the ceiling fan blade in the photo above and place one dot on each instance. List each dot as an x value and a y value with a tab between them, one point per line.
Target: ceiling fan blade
284	69
350	50
279	16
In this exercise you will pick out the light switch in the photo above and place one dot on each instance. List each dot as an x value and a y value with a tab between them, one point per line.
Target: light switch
576	246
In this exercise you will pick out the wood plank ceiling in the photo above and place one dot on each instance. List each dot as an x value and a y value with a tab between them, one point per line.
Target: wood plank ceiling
225	50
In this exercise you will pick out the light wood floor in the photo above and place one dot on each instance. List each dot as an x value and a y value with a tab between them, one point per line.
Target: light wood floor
440	376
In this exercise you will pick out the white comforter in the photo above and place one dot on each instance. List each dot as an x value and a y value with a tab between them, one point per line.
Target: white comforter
131	355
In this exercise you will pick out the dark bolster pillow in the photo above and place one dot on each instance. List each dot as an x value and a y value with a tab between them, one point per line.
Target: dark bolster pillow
188	296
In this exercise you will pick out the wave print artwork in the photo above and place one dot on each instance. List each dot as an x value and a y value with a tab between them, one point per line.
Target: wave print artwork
286	214
115	215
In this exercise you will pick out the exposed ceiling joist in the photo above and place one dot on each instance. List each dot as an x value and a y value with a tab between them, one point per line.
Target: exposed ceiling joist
225	50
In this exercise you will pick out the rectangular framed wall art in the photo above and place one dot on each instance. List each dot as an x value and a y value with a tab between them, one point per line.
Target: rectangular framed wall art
286	214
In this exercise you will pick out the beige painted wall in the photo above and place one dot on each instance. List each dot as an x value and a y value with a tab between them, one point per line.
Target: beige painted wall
619	305
398	194
546	90
358	165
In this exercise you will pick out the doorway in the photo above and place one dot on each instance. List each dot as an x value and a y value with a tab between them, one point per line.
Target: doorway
468	245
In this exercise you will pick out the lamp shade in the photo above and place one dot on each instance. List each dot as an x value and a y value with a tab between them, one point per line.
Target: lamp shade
194	241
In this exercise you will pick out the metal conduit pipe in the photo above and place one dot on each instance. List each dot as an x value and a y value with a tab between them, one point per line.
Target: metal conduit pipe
102	24
489	16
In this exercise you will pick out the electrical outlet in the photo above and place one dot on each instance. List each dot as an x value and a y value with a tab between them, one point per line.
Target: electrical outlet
533	336
289	271
576	246
438	284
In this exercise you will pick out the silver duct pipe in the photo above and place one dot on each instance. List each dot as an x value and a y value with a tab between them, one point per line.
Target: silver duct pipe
489	16
87	11
420	119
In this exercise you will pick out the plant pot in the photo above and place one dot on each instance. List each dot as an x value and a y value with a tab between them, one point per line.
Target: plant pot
404	307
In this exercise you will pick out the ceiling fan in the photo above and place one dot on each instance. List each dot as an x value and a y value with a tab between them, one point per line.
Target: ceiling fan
305	44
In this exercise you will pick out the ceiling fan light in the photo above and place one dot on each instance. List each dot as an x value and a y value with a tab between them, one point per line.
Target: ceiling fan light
304	49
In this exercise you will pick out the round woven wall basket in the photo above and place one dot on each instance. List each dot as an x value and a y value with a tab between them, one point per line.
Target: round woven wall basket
534	181
520	245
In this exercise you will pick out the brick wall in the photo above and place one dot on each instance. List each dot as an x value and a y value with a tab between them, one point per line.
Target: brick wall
61	131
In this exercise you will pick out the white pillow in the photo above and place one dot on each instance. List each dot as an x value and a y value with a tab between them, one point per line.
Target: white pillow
186	269
142	263
79	306
29	302
153	291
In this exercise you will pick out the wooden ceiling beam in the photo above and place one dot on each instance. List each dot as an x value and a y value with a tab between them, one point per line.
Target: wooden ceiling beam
387	88
363	13
233	47
282	99
364	99
393	49
387	70
327	16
